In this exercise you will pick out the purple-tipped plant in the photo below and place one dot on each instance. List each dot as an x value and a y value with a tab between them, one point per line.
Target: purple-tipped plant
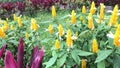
9	60
20	55
35	62
2	50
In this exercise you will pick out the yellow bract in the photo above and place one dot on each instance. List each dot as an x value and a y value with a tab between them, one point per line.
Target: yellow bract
117	36
50	29
19	22
83	63
94	46
60	29
114	16
69	41
34	25
25	17
102	11
5	26
83	10
57	44
73	17
81	18
2	34
14	17
53	12
90	21
93	8
76	34
12	27
27	35
7	19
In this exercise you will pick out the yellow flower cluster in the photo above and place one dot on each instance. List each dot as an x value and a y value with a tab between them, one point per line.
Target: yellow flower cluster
2	33
19	22
5	26
60	29
114	17
117	36
15	17
101	12
83	63
83	10
57	44
27	35
50	29
90	21
53	12
34	25
93	8
12	27
73	17
69	40
94	46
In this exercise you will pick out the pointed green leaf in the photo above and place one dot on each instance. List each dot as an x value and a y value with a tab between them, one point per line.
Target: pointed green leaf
116	61
84	53
51	61
62	60
101	64
102	55
75	56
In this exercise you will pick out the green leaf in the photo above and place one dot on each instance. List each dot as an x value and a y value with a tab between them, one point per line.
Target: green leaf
101	64
84	53
62	60
103	55
51	61
75	56
116	61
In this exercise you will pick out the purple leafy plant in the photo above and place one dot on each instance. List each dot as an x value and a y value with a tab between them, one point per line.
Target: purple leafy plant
35	62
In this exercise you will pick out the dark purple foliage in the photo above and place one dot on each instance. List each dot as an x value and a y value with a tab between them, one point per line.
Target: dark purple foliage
20	6
43	3
8	6
107	2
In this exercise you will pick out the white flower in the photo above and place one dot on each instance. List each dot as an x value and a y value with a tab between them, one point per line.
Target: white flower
110	35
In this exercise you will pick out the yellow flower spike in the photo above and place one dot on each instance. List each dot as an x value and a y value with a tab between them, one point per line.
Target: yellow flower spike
73	17
81	18
53	12
90	22
7	19
34	25
12	27
76	34
19	22
93	8
60	29
94	46
83	10
83	63
57	44
2	34
114	16
69	40
117	37
50	29
15	17
102	11
27	35
25	17
5	26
